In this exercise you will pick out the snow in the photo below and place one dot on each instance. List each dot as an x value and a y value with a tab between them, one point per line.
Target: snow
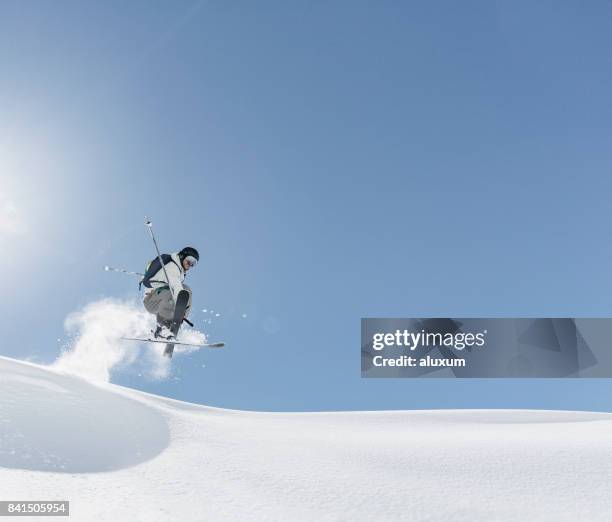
94	351
120	454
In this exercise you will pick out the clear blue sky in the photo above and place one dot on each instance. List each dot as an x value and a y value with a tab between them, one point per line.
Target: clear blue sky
331	160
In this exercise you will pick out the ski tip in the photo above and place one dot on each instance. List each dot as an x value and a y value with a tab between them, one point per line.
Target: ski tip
216	345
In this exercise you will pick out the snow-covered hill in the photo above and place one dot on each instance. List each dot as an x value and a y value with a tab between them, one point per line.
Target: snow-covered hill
119	454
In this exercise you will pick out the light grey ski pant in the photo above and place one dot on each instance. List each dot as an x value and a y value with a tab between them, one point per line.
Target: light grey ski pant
159	302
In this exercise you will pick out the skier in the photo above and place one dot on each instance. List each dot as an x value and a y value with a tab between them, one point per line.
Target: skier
159	299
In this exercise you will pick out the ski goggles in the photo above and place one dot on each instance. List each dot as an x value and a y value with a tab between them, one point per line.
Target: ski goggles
191	261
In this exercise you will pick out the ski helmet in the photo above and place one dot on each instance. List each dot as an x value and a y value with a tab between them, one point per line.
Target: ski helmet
189	251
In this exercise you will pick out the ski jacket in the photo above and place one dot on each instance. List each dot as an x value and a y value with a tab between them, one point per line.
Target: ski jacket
176	276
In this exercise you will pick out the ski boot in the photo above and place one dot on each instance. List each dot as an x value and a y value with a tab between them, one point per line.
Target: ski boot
163	330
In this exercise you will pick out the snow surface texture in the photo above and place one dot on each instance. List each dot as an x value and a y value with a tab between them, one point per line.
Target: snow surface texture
120	455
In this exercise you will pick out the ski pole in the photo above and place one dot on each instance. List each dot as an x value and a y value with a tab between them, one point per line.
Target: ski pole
122	270
150	227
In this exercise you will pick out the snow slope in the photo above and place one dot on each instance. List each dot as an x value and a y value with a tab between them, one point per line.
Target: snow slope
119	454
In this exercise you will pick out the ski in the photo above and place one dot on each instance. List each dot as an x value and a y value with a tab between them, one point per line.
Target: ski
182	299
181	343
